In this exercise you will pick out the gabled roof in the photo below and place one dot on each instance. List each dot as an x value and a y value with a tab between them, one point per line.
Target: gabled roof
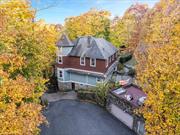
92	47
64	41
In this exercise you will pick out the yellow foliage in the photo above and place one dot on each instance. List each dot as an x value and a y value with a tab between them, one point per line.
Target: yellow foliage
158	71
94	23
27	51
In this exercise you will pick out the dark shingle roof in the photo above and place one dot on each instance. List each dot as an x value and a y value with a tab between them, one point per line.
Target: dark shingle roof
64	41
92	47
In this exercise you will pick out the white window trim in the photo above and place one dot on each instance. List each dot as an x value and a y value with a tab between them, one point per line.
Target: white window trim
107	62
113	57
91	62
61	59
61	73
116	54
109	59
84	61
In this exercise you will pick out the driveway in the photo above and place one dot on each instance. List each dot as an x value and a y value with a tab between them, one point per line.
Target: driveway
72	117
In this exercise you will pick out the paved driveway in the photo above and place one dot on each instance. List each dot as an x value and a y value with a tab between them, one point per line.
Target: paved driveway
71	117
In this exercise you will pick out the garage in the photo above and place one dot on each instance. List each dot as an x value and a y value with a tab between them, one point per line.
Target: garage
122	116
122	101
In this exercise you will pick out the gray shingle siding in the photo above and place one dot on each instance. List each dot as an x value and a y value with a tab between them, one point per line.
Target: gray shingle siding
64	41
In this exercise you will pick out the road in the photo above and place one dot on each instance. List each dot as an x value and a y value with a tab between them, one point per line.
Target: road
73	117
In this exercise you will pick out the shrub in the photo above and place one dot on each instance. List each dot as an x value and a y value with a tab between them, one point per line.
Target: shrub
86	95
125	57
101	91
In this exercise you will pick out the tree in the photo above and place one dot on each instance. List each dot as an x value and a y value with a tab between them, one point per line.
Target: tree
95	23
26	53
160	81
126	30
158	68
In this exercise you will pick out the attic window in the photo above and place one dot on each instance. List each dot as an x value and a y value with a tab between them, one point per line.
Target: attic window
60	59
93	62
82	61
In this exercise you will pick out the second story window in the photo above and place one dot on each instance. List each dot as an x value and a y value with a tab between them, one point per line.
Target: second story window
116	55
93	62
113	57
82	61
107	62
109	59
60	59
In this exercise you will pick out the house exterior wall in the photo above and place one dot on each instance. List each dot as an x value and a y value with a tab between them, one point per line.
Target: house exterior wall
80	79
74	62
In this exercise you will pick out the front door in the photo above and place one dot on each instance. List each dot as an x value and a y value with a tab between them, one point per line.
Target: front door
73	86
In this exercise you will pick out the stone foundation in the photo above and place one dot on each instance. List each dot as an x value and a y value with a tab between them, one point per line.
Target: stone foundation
63	86
82	86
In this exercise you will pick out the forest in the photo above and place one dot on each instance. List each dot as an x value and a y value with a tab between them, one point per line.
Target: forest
28	51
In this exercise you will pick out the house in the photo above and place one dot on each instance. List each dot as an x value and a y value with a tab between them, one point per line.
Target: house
84	62
123	101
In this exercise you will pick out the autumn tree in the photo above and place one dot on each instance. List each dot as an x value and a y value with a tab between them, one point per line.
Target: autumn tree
127	29
158	68
95	23
26	53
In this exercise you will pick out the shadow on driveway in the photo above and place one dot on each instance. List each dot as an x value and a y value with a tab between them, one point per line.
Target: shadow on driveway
71	117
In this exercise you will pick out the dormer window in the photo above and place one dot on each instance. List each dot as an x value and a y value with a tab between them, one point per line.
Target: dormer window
60	59
93	62
82	61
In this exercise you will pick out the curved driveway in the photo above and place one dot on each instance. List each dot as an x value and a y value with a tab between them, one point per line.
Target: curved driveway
71	117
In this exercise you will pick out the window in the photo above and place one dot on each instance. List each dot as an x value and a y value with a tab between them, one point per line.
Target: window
107	62
60	59
60	49
60	74
82	61
92	62
109	59
98	80
113	57
116	55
